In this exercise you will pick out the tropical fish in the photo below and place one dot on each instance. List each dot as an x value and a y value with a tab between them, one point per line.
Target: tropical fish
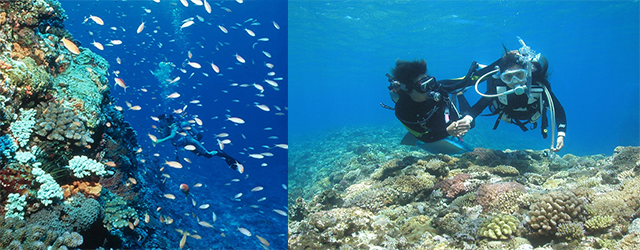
207	7
185	3
238	196
198	121
70	46
283	146
276	25
244	231
267	154
140	28
194	65
116	42
97	45
240	167
263	107
256	189
173	95
173	164
257	156
215	68
239	58
267	54
236	120
259	87
262	199
96	20
250	32
271	82
197	185
170	196
153	138
120	83
204	206
205	224
223	29
186	24
146	218
280	212
190	147
263	241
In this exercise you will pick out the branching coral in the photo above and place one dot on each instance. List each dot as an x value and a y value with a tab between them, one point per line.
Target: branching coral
570	231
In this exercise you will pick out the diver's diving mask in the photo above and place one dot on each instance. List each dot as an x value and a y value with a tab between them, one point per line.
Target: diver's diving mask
428	84
514	76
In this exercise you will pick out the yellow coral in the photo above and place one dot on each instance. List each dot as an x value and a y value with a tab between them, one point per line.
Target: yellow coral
499	227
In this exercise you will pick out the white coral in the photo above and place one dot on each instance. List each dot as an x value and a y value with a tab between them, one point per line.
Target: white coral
83	166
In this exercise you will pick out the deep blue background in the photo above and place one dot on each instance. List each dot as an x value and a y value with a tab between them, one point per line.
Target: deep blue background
340	51
140	54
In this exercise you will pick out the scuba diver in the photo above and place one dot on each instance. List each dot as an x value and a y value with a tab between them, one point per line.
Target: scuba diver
182	134
423	106
518	92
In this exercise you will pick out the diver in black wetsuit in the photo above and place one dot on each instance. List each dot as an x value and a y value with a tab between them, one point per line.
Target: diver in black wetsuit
424	108
181	134
519	93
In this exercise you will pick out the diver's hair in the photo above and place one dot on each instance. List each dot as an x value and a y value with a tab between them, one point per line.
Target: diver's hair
509	60
407	71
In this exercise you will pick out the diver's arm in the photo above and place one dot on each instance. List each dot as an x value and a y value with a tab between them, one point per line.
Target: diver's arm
171	136
561	122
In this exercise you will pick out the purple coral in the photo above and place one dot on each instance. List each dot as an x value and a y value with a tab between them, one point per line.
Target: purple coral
453	186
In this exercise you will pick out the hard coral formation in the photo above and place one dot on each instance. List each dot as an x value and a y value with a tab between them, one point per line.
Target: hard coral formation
414	216
454	186
599	222
499	227
503	197
57	122
570	231
554	209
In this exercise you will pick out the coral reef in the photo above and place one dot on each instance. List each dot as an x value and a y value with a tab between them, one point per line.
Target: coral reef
486	199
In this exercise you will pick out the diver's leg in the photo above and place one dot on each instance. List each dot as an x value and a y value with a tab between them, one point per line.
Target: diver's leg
200	150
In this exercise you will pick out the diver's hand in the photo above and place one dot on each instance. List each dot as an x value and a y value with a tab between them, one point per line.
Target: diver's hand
458	128
559	143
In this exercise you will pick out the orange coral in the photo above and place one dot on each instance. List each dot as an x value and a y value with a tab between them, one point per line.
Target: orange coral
90	189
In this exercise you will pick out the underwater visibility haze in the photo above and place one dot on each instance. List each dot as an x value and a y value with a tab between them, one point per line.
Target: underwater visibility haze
85	85
351	183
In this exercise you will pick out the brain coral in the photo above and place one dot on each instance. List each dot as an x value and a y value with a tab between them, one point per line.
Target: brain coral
499	227
554	209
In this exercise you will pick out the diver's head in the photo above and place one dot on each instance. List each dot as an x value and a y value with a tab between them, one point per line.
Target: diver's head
413	77
167	119
513	70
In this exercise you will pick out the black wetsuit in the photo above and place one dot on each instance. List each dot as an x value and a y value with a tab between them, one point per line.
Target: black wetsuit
517	107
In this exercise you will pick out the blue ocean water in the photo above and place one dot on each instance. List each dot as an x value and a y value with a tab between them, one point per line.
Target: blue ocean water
339	52
209	96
